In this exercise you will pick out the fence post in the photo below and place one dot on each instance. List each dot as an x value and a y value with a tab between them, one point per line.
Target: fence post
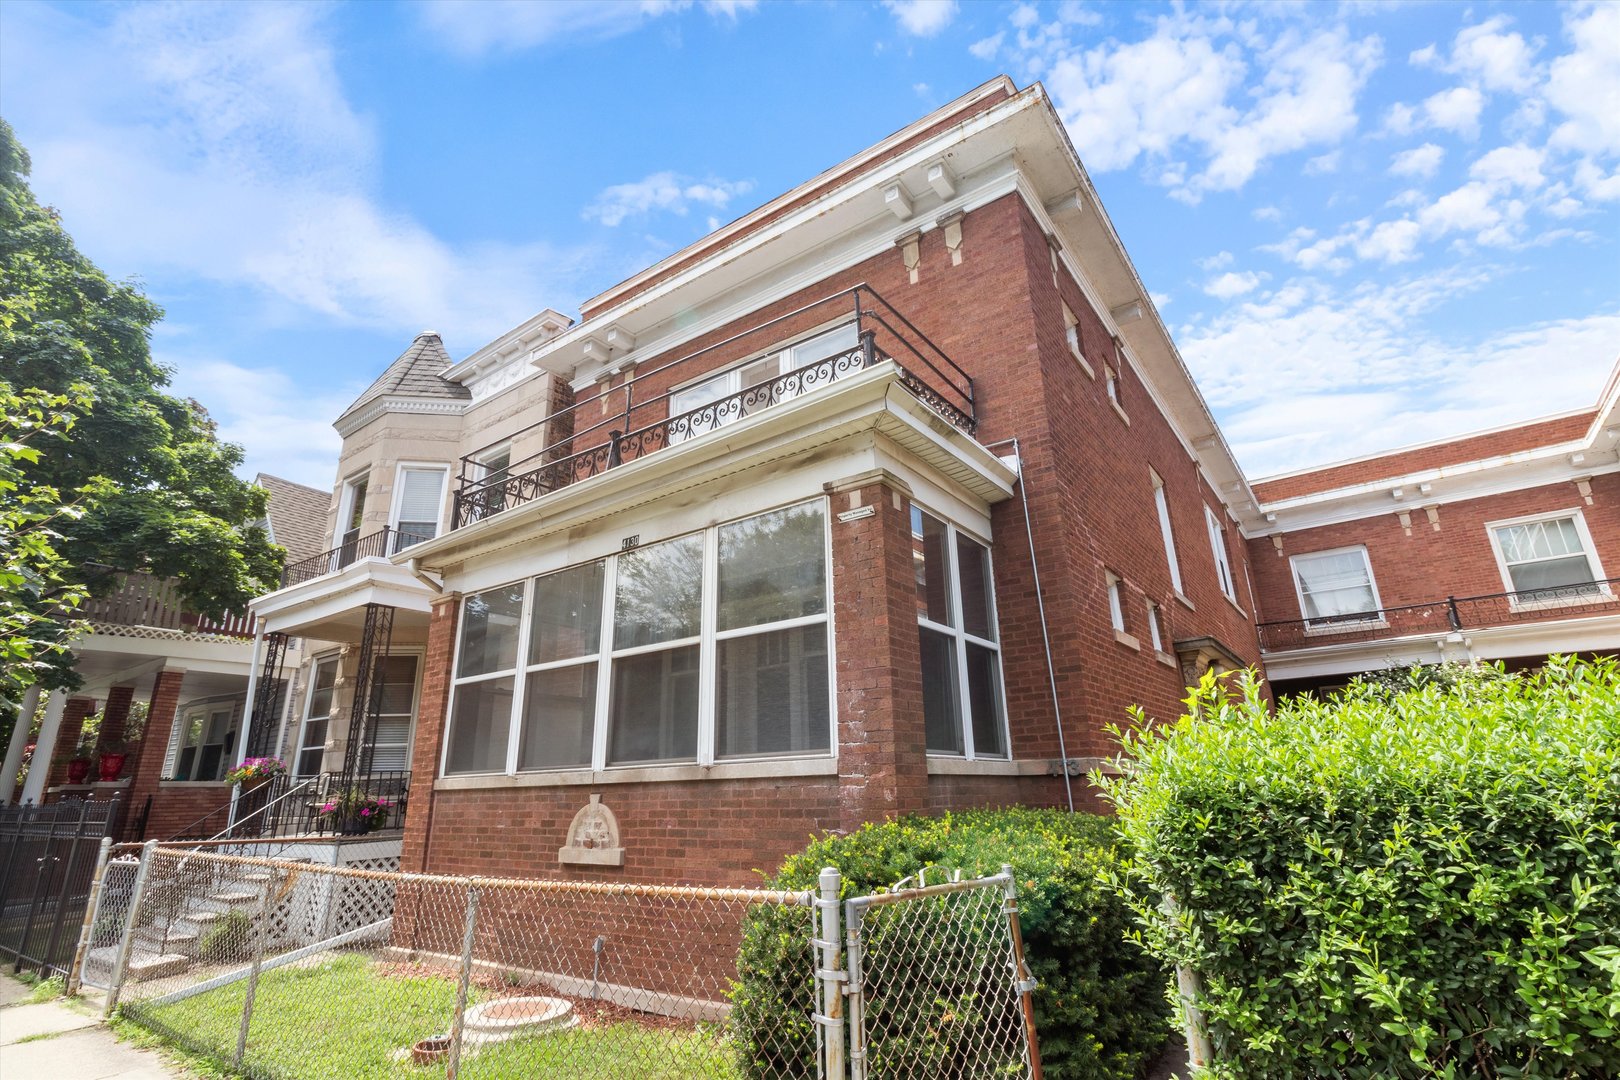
1022	979
856	1010
467	938
830	974
92	911
127	942
260	933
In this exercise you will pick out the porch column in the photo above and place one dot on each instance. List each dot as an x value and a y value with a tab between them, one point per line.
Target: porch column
67	738
165	702
431	720
19	743
115	717
882	760
44	747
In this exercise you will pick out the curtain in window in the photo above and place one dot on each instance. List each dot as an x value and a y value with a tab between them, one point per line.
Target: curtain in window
1334	585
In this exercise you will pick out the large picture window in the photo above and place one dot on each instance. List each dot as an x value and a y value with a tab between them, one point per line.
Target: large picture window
956	630
707	647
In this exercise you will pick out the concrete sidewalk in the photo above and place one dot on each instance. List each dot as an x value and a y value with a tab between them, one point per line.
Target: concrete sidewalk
63	1041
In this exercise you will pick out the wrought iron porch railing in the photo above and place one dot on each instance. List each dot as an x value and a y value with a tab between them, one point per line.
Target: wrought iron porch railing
1446	615
634	420
294	806
151	601
378	545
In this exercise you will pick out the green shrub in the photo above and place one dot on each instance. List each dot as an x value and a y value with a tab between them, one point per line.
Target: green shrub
1100	1007
227	940
1395	882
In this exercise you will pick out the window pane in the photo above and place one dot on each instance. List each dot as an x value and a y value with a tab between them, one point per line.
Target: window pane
653	715
823	347
567	620
984	699
489	631
941	711
396	685
1335	584
478	727
659	593
1552	574
314	748
559	718
1539	540
772	697
973	565
928	557
773	567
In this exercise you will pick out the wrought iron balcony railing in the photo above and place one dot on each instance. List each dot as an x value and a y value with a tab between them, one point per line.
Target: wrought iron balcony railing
377	545
1578	600
634	419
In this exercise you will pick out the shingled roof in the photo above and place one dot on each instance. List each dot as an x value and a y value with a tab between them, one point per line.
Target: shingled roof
297	516
415	375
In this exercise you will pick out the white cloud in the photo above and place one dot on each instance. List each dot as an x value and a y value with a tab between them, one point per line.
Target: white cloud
1456	110
1497	59
1218	261
1421	161
1584	84
1595	184
1514	166
1160	300
922	18
665	191
986	48
475	27
1233	284
1391	241
1323	164
1266	213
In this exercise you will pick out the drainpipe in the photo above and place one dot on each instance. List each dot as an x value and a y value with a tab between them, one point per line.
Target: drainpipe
415	567
1040	605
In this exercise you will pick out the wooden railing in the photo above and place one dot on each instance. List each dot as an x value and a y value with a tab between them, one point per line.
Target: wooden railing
148	600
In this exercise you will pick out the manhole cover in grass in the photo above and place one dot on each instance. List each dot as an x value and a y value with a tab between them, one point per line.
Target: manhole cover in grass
508	1017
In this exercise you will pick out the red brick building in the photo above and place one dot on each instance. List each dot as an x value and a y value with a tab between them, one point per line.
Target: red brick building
890	496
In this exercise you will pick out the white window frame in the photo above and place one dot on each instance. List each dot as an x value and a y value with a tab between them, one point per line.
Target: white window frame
1601	594
420	655
1161	503
961	639
440	467
1071	333
1223	558
346	504
782	353
606	655
1339	624
1116	602
1155	631
300	745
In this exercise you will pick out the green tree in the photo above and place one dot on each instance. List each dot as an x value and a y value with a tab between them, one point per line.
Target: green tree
165	495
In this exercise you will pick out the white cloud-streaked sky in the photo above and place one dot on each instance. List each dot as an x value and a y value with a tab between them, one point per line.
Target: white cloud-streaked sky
1366	225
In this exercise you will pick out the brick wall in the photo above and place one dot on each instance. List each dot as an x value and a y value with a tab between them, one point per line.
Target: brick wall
67	741
1430	564
148	761
177	809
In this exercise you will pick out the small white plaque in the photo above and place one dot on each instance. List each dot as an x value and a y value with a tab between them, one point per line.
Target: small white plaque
857	513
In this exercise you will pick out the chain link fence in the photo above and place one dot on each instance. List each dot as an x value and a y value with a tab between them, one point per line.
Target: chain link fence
275	968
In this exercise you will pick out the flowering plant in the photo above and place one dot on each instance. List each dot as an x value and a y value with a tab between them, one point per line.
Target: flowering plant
256	768
357	809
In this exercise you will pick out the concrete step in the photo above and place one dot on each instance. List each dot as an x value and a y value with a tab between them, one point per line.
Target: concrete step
257	878
177	940
234	899
144	966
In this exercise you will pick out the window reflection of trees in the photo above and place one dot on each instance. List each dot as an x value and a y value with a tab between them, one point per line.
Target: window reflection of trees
659	593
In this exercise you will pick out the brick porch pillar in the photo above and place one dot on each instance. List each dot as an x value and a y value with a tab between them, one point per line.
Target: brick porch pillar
431	720
148	768
67	739
115	716
882	760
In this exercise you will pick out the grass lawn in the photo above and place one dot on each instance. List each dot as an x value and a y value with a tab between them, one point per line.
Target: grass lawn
344	1019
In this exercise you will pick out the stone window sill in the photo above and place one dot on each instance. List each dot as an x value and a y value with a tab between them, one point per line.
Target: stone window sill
1127	640
767	768
1186	603
1166	659
948	765
1122	414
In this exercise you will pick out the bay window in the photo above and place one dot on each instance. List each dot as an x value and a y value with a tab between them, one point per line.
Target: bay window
705	647
963	714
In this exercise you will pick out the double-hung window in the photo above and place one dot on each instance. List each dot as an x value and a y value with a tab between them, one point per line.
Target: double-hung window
713	403
1217	546
707	647
493	470
963	712
418	505
1548	558
1335	587
1162	506
317	717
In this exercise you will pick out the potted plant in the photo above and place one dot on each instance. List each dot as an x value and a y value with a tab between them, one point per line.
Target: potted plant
110	763
255	772
354	813
78	767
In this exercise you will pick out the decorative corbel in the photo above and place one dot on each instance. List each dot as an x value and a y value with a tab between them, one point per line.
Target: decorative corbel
1276	542
1433	514
910	252
952	224
1584	486
1405	518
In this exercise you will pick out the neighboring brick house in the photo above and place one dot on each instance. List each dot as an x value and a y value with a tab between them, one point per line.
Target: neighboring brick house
890	496
1502	545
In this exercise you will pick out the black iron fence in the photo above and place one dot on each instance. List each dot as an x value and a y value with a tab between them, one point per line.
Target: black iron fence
320	805
48	858
378	545
1453	613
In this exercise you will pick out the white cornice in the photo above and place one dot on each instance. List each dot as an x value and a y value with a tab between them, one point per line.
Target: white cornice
349	424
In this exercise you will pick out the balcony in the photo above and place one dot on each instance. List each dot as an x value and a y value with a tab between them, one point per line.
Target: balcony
144	601
1452	614
644	414
377	545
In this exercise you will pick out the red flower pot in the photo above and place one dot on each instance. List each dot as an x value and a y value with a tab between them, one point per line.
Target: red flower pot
111	766
78	771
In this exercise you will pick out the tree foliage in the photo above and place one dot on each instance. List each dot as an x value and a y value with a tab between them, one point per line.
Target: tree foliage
167	499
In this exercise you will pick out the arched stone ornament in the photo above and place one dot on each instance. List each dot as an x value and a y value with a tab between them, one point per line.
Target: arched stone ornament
593	837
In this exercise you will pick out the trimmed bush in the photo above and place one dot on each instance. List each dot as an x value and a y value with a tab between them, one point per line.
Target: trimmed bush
1415	877
1100	1007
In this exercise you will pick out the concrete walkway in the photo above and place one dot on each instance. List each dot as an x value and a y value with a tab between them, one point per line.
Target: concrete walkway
64	1041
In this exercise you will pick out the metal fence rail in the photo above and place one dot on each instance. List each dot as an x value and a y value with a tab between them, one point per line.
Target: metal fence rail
48	859
280	968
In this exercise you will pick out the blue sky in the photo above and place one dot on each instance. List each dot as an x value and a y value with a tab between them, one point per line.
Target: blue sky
1365	224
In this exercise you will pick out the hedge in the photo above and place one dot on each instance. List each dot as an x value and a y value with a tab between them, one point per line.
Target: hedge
1100	1006
1393	882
